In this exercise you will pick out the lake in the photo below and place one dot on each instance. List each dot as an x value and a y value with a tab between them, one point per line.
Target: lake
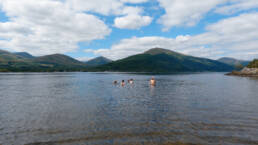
86	108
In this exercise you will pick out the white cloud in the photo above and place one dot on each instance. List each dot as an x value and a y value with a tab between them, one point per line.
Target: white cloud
236	6
185	12
134	1
236	36
188	13
47	26
131	11
57	26
129	17
132	21
84	59
182	38
135	45
105	7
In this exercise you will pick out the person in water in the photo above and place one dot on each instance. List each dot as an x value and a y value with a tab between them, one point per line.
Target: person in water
130	81
123	83
115	82
153	81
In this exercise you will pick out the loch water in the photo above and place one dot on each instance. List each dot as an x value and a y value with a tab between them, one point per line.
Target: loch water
87	109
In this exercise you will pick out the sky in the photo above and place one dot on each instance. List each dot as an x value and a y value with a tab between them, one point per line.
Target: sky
84	29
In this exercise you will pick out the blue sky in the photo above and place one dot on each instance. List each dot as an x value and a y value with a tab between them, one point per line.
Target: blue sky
85	29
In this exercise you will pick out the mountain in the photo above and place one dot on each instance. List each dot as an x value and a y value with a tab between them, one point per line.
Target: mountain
19	56
24	55
10	62
234	62
13	62
6	56
98	61
163	60
57	59
155	60
59	62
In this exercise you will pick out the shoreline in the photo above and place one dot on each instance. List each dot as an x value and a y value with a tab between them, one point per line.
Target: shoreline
245	72
241	75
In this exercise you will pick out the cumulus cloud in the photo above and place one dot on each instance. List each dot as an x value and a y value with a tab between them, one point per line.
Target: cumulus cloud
182	38
184	12
84	59
134	1
129	17
237	5
132	21
105	7
57	26
188	13
132	18
47	26
236	36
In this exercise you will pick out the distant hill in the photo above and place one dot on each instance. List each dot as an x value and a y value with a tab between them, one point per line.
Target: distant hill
156	60
98	61
57	59
24	55
23	62
59	62
163	60
234	62
6	56
11	62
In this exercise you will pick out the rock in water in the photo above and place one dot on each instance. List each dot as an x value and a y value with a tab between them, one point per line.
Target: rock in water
245	72
250	71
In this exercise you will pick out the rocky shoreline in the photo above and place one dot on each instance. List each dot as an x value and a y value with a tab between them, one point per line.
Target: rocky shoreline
248	72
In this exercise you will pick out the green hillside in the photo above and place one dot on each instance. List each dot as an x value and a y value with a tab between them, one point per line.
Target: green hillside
98	61
23	62
57	59
253	64
24	55
163	60
6	56
155	60
238	64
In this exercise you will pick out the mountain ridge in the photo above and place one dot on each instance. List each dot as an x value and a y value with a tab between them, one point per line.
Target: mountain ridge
157	60
59	59
163	60
23	62
238	64
24	55
98	61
